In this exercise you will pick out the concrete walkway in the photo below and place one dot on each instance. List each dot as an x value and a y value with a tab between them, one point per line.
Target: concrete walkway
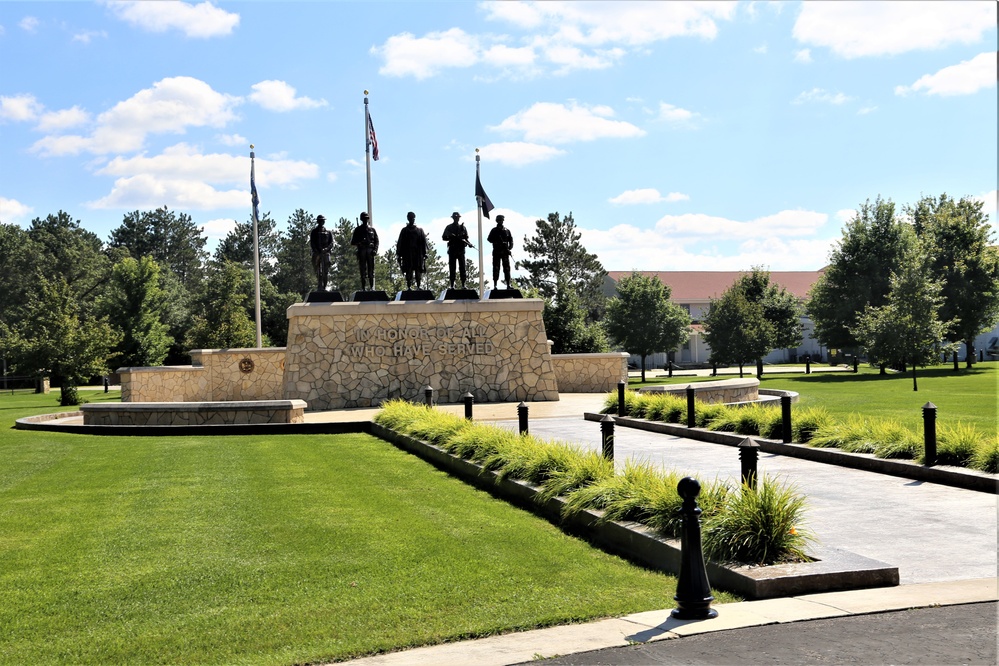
943	540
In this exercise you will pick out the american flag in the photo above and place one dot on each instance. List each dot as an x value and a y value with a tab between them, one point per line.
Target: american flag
372	139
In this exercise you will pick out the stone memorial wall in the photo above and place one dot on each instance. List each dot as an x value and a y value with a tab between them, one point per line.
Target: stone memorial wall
360	354
590	373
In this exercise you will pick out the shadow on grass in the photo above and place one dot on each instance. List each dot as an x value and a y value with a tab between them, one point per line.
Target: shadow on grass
845	377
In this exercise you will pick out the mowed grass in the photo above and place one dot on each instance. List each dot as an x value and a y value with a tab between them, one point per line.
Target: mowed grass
270	550
969	396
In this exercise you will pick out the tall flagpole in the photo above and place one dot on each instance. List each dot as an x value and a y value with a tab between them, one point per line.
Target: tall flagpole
367	154
256	247
478	210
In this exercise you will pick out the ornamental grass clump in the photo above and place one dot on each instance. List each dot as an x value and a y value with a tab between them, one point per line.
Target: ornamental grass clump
632	403
665	407
705	413
806	421
894	440
761	526
986	457
957	444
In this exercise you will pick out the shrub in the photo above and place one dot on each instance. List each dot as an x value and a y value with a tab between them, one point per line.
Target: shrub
761	526
658	407
705	413
893	440
631	400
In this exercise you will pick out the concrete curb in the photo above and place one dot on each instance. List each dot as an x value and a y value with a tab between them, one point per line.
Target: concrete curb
949	476
834	569
51	423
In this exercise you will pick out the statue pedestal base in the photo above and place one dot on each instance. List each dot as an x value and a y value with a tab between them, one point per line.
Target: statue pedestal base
361	354
415	295
376	296
458	295
324	297
495	294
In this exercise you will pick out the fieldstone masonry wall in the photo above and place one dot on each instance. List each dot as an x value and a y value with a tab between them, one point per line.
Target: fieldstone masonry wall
720	391
590	373
215	374
360	354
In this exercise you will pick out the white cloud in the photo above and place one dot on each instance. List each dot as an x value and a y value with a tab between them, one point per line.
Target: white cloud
279	96
170	106
857	29
233	140
991	208
547	122
863	111
762	48
568	35
519	153
219	228
845	215
647	196
55	121
331	177
782	224
20	107
423	57
86	36
183	177
3	31
803	56
13	211
201	21
821	95
29	24
674	114
964	78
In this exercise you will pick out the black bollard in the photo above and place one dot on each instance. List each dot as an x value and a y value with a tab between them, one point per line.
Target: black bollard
469	399
759	368
693	592
107	385
808	364
929	434
670	369
749	455
691	419
607	436
957	368
428	395
856	364
714	369
620	398
522	417
785	418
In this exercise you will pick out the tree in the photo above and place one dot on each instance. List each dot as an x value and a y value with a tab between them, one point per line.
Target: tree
293	272
237	246
736	329
907	329
221	320
754	317
565	325
173	240
138	306
559	262
57	336
344	274
64	250
859	272
956	236
643	320
18	259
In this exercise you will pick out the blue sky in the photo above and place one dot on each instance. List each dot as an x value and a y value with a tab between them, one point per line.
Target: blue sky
682	136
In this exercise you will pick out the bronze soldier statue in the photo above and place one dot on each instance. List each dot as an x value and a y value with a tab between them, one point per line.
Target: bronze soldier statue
365	239
457	240
321	241
502	241
411	251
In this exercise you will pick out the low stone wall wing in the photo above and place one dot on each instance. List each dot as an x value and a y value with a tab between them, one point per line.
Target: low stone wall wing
590	373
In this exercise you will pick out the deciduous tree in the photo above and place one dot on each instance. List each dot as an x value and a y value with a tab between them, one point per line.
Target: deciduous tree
873	245
137	305
643	320
963	258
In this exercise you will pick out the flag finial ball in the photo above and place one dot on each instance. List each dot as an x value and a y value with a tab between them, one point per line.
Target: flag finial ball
251	146
365	92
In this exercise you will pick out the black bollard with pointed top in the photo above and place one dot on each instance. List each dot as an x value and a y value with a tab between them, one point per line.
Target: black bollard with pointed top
522	417
469	399
693	592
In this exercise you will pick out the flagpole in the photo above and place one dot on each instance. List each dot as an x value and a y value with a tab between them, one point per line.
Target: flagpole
256	252
478	210
367	155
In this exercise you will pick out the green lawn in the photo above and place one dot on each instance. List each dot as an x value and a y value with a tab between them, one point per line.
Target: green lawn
969	396
270	550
